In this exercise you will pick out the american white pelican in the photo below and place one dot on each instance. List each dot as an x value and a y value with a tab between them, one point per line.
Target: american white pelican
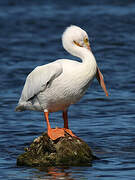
57	85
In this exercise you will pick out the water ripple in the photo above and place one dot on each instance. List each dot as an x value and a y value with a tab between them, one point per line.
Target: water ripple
30	36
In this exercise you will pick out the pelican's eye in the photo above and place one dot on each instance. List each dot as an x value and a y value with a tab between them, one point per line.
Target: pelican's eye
86	40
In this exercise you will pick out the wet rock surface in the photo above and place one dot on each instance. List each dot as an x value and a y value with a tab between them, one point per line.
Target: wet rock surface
63	151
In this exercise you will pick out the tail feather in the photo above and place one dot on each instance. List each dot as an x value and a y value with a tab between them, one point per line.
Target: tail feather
20	108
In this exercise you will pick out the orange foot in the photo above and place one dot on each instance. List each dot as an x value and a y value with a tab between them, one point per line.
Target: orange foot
69	132
59	132
56	133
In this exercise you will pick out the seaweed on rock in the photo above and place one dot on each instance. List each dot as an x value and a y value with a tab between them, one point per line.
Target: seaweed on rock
63	151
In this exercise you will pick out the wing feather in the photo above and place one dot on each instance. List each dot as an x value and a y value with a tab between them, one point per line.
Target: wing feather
39	78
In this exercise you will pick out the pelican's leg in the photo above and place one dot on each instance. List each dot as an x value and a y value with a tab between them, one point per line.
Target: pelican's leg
65	117
53	133
46	114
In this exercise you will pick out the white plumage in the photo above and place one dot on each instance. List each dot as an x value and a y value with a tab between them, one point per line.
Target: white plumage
57	85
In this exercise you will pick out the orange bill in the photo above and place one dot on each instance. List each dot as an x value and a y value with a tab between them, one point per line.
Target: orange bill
100	79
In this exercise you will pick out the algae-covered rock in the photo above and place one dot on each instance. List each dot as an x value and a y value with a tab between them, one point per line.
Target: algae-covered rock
63	151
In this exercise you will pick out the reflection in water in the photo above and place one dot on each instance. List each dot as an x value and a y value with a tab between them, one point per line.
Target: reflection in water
53	173
58	173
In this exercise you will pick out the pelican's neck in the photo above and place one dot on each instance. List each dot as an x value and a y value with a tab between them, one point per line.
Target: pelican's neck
81	52
84	54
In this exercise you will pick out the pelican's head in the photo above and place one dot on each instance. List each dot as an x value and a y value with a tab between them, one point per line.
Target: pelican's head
74	39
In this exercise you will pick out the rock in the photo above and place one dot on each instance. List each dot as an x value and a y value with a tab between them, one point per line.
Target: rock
63	151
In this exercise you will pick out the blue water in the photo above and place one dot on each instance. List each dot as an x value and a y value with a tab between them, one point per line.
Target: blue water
30	35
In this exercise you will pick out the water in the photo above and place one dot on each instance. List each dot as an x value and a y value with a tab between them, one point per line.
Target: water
30	35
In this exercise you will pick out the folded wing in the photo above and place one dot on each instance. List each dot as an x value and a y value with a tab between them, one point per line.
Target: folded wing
39	79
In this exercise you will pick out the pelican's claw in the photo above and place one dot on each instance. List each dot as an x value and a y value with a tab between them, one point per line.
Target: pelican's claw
69	132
